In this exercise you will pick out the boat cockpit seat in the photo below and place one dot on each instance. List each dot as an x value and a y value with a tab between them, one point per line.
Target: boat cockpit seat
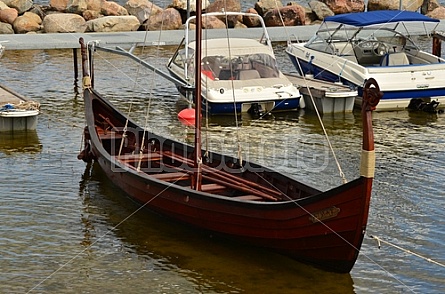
397	58
249	74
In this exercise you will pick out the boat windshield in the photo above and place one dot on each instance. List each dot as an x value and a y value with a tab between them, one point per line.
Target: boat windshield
240	67
327	39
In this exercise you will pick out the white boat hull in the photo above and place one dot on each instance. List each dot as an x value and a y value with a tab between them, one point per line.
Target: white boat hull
352	54
15	122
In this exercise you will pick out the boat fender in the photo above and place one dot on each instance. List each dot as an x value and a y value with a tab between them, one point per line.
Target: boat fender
302	103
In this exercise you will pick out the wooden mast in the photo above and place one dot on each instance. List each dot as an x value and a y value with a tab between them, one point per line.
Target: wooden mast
198	155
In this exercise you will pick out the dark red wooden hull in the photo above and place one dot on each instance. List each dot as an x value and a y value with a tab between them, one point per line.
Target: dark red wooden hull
324	229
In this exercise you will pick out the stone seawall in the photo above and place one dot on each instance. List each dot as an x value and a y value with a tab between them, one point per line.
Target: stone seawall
80	16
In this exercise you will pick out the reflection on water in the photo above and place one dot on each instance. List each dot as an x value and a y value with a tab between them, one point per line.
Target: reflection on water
64	228
17	142
212	264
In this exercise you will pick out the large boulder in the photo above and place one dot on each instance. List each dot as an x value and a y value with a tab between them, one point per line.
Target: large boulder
169	19
428	6
320	9
6	28
28	22
58	5
345	6
294	15
21	5
262	6
76	6
112	8
182	5
142	9
250	21
410	5
438	13
8	15
123	23
64	23
229	6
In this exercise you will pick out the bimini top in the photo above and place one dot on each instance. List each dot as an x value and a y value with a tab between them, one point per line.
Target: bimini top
362	19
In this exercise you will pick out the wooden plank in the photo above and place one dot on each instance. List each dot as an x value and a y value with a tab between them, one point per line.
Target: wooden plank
109	135
136	157
212	188
172	177
249	197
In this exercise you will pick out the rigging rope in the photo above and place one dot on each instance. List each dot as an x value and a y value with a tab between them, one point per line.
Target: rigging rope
238	138
341	173
379	241
150	94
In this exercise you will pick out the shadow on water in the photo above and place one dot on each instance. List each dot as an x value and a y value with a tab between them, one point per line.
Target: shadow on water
20	142
212	264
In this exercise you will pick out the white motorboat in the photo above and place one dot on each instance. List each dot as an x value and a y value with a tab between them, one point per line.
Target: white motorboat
352	48
238	74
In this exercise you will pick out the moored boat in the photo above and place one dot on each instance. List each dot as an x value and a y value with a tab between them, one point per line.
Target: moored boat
351	48
238	74
230	196
17	113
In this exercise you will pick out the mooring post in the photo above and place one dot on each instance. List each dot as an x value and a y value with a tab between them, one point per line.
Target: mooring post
438	37
76	71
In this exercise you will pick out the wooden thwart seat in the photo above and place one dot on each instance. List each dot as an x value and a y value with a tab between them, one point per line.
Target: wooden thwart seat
152	156
172	177
109	135
249	197
212	188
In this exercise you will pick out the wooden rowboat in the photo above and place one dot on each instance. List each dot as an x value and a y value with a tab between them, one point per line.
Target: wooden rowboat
221	194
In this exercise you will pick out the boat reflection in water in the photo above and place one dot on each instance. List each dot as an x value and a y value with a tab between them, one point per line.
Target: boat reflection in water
20	142
190	256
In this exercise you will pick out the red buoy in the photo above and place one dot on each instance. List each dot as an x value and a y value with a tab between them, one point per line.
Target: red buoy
187	116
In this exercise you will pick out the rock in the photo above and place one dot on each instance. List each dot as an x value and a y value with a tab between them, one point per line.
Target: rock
8	15
346	6
310	16
251	22
288	16
58	5
94	5
169	19
320	9
210	22
91	14
123	23
142	9
226	5
6	28
428	6
182	5
28	22
410	5
3	5
21	5
64	23
262	6
112	8
438	13
76	6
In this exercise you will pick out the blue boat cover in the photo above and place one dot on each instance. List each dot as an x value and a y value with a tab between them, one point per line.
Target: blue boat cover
362	19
